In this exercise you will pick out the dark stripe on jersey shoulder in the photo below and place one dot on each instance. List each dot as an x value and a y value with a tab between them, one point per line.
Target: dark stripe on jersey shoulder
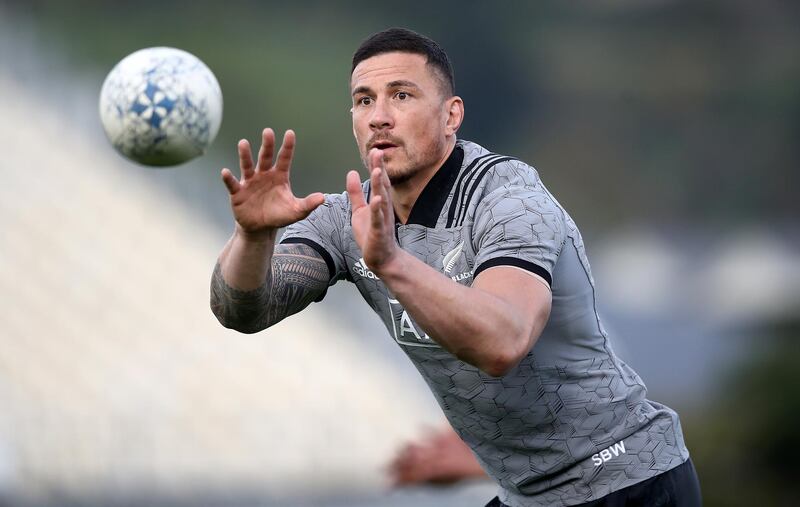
519	263
318	248
462	214
464	176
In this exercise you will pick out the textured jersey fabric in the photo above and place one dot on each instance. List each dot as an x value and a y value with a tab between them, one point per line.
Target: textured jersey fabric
571	422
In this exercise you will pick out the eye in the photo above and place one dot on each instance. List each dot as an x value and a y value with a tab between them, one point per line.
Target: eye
364	101
402	95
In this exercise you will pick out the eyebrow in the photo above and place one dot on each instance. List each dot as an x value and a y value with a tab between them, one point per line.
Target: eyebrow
392	84
400	83
361	89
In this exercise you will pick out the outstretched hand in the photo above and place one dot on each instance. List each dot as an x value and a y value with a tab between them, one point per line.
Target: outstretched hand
439	457
373	221
262	198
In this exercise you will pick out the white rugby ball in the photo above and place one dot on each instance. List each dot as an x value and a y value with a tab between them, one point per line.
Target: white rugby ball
161	106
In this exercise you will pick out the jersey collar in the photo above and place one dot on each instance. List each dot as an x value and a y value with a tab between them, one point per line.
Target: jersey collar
431	200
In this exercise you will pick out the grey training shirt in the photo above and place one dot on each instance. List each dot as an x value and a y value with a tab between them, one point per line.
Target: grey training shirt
570	423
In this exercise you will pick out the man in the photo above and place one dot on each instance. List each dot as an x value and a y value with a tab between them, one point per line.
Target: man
478	274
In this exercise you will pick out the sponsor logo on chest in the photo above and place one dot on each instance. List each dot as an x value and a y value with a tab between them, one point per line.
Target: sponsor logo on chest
406	331
454	265
361	269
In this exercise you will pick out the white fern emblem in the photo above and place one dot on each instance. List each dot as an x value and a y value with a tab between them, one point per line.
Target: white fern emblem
450	259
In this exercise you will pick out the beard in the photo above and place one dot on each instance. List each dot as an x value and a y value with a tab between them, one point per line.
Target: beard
398	176
413	164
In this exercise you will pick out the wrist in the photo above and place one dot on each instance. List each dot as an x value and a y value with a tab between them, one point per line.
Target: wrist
393	267
265	235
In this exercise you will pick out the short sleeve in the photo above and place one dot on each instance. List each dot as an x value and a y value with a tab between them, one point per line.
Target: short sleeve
322	231
519	226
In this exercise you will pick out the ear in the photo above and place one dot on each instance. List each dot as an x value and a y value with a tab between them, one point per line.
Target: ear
454	107
353	123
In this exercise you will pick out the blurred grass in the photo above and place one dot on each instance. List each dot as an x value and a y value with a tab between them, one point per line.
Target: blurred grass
685	112
745	444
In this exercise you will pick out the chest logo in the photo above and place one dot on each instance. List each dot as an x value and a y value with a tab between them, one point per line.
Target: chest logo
451	259
452	256
361	269
406	331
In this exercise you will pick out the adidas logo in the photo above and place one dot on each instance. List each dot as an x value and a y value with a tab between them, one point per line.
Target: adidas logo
360	267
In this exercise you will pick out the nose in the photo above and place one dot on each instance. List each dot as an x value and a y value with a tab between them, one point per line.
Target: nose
381	116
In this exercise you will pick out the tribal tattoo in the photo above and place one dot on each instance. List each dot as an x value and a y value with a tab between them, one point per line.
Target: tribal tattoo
297	277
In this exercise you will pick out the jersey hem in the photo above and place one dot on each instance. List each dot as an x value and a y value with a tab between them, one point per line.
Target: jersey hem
516	500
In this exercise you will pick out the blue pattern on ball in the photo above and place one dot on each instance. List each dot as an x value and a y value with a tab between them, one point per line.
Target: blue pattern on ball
163	119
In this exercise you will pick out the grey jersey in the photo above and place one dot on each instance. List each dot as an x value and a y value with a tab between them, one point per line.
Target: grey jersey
570	423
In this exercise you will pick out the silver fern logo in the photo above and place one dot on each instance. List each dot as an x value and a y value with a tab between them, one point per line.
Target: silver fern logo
452	256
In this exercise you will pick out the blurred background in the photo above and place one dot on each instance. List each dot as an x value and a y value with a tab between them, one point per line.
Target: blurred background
668	128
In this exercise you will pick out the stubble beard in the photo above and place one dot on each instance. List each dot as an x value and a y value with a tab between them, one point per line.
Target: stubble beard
415	165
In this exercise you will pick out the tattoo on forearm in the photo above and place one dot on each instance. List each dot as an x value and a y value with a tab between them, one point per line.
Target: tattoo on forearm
296	278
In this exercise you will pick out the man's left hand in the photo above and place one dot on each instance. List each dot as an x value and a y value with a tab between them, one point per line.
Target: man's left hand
373	221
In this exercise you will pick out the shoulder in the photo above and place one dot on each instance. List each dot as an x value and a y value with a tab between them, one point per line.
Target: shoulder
487	176
492	170
337	201
331	216
334	205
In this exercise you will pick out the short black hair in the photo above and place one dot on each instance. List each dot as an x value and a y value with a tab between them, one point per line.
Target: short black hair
407	41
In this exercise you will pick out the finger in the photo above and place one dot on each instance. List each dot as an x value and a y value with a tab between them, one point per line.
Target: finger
381	189
404	460
375	159
397	464
376	182
286	152
230	181
310	203
386	182
376	213
266	150
245	159
355	191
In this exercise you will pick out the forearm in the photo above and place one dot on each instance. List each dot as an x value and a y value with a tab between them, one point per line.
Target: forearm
255	285
245	260
476	326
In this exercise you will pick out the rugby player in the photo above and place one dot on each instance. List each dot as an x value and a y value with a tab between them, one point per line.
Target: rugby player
479	275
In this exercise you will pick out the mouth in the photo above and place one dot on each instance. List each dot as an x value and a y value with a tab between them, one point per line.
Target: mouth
382	145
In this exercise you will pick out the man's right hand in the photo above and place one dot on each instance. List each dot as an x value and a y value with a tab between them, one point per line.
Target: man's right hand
262	200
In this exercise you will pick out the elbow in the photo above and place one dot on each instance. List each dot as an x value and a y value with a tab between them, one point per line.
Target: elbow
244	329
495	363
242	325
500	364
502	360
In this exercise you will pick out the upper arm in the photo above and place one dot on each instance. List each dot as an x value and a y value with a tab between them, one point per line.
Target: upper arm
519	226
322	231
301	269
527	295
298	275
518	234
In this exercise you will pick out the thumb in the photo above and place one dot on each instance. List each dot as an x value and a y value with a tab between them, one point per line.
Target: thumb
311	202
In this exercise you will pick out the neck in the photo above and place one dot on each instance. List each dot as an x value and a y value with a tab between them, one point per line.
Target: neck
405	194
